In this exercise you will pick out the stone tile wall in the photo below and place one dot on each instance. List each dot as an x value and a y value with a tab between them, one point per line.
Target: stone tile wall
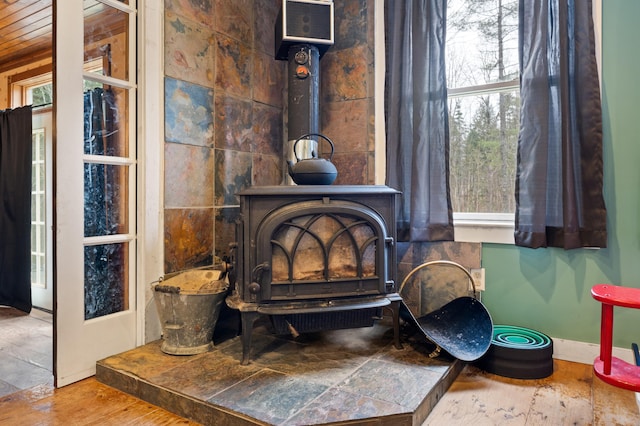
225	114
225	104
347	92
224	97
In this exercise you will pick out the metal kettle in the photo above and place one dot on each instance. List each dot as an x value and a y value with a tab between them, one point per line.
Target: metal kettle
313	171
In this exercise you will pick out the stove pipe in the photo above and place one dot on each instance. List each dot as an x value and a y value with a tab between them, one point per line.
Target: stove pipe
304	32
303	103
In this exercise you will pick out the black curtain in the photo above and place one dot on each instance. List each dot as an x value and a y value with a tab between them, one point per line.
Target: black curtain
417	118
15	208
559	201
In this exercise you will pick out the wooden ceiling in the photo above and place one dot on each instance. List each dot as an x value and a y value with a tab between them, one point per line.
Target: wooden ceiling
25	32
26	29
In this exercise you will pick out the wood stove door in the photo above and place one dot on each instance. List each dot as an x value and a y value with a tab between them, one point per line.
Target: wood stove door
321	249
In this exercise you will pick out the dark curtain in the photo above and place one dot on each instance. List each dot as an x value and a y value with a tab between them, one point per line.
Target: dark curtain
559	200
15	210
417	118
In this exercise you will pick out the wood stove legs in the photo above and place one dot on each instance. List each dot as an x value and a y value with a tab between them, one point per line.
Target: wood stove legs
394	307
247	319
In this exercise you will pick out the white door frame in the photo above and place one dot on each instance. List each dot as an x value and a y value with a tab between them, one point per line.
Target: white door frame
151	164
78	344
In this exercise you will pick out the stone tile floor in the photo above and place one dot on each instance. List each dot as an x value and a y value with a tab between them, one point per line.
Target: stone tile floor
26	349
353	375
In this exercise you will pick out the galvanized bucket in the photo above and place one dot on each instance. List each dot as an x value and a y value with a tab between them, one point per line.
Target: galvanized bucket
188	305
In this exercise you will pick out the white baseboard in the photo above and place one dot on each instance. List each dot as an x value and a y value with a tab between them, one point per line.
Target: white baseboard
585	353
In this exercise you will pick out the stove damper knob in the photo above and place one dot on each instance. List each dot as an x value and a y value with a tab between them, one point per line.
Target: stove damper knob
254	288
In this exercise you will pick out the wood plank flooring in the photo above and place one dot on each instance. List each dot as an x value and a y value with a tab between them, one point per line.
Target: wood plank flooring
87	402
571	396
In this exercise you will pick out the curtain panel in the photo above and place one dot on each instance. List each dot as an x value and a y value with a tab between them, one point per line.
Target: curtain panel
417	118
15	208
559	201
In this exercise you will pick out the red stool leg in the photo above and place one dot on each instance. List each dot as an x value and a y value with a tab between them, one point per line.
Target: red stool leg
606	337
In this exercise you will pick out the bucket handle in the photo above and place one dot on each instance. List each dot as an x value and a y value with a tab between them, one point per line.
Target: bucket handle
167	289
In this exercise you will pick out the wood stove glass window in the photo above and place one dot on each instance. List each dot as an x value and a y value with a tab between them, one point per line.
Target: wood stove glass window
320	247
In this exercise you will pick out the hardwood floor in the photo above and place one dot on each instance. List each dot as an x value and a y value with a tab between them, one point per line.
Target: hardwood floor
571	396
87	402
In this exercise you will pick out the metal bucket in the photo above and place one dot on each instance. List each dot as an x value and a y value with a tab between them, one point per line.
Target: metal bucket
188	305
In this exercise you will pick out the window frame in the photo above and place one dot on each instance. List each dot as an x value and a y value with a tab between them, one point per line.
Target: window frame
500	227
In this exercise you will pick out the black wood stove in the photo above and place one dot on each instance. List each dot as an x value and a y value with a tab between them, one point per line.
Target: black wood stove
315	257
312	257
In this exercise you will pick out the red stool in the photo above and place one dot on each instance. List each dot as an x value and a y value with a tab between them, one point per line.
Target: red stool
608	368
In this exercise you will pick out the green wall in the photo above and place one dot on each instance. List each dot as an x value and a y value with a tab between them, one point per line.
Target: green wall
549	289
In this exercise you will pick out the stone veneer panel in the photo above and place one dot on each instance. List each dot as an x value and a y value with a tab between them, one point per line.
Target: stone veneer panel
347	122
188	113
345	74
188	238
267	170
200	11
352	167
233	123
269	80
232	174
354	19
188	177
267	130
264	25
233	67
188	51
347	92
414	254
225	223
235	19
441	284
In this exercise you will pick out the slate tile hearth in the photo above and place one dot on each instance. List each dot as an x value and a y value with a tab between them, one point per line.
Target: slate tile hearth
354	375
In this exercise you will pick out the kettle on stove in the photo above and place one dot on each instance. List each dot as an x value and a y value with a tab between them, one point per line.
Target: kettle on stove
314	170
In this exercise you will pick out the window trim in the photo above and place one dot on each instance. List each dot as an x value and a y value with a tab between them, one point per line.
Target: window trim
481	89
484	227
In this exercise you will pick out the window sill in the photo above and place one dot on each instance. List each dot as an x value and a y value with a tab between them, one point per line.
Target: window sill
484	228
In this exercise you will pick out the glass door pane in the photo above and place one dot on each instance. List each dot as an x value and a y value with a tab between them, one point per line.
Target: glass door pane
108	165
107	38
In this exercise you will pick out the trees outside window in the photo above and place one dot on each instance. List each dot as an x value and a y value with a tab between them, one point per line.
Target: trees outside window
484	105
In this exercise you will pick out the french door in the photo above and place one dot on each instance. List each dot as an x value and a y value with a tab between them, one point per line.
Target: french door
94	184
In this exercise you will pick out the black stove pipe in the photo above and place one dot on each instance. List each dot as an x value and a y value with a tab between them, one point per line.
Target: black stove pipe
303	102
304	85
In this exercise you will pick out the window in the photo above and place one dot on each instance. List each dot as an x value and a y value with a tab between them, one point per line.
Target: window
38	209
40	95
484	113
31	87
483	88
